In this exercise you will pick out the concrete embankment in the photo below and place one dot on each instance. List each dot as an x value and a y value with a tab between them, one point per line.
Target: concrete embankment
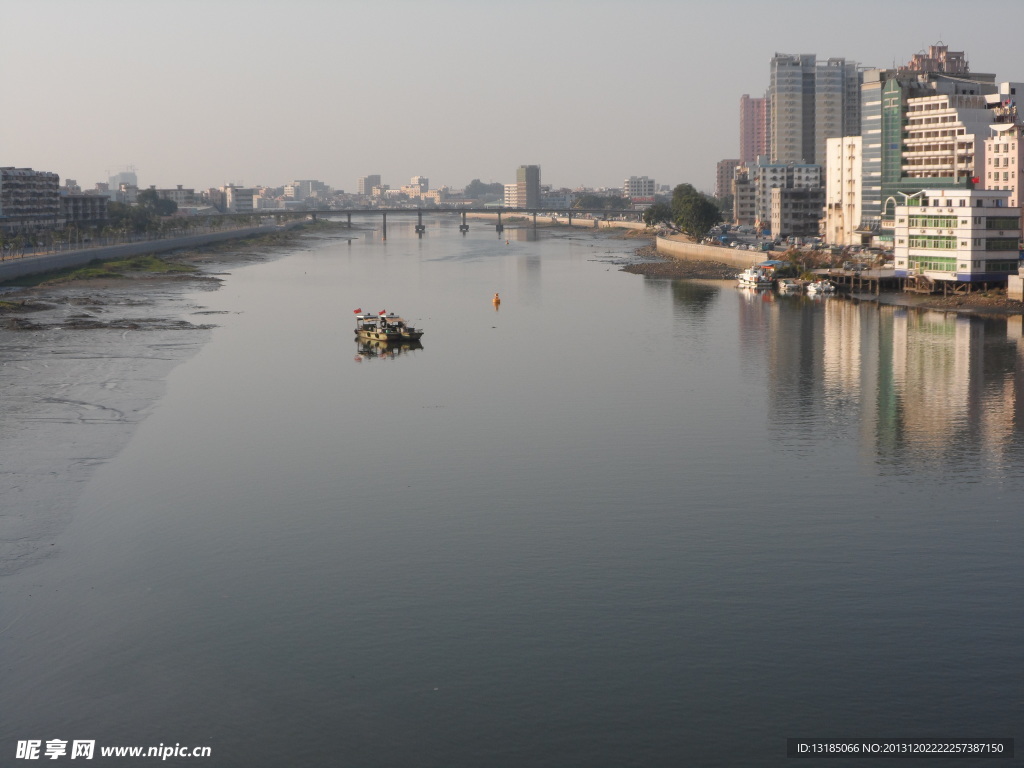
680	249
666	246
35	265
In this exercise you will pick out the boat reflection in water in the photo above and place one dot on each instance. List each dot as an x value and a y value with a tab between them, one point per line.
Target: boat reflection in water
367	349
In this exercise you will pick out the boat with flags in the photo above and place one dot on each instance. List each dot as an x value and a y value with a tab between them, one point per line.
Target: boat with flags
384	326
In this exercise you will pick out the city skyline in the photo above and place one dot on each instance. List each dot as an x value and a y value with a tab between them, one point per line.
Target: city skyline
258	93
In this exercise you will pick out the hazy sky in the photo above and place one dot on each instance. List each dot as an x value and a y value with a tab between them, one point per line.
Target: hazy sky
206	92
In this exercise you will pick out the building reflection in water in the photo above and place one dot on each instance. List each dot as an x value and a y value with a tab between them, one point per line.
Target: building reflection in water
924	389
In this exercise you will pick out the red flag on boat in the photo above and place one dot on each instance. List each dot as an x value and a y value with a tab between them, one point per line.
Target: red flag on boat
357	311
382	312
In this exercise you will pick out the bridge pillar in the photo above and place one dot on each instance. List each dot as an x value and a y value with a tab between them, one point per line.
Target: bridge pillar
420	229
463	227
499	227
384	216
349	220
570	218
534	219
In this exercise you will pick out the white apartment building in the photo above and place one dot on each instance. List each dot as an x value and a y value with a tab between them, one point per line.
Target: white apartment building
843	179
944	137
1004	161
239	199
512	196
638	189
957	235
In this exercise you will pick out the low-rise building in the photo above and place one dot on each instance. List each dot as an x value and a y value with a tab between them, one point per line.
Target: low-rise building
239	199
744	200
29	199
796	211
639	190
957	235
83	209
512	196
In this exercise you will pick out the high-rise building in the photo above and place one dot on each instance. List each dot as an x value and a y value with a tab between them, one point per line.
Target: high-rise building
753	128
809	102
791	105
922	128
528	181
367	183
836	103
843	190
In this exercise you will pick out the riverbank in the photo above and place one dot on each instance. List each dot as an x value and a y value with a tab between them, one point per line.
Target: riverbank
118	293
991	302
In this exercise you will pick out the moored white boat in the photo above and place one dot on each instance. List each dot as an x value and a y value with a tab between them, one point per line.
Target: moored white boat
820	287
789	285
755	277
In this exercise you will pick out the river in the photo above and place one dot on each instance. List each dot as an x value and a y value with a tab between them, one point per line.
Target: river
612	521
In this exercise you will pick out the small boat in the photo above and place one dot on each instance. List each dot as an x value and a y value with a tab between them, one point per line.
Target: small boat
755	277
819	287
383	326
789	285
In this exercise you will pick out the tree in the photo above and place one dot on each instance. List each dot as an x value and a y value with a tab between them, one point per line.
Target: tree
476	189
694	212
158	206
602	202
658	213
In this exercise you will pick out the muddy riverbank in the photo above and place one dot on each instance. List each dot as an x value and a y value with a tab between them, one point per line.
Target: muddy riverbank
83	360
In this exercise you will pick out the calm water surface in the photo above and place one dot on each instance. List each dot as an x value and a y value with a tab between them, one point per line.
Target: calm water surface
617	522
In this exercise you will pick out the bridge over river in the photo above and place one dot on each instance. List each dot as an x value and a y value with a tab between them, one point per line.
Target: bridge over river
598	214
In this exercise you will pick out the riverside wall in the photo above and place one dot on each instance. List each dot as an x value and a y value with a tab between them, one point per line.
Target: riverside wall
51	262
680	249
666	246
